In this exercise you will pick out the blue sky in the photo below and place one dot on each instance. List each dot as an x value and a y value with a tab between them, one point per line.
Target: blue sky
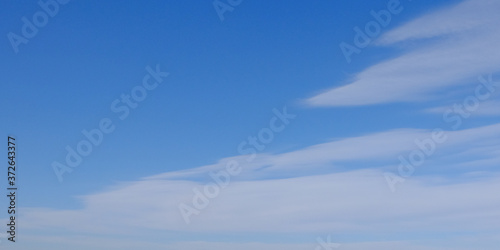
323	174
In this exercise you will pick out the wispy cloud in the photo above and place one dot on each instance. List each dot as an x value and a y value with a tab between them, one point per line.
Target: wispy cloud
332	188
355	202
461	43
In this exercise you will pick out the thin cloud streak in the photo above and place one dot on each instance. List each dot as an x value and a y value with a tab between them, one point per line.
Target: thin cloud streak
462	51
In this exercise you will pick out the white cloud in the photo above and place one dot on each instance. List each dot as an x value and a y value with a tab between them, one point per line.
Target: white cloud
467	46
355	202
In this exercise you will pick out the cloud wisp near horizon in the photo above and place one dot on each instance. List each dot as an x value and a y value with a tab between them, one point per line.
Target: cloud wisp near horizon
335	201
